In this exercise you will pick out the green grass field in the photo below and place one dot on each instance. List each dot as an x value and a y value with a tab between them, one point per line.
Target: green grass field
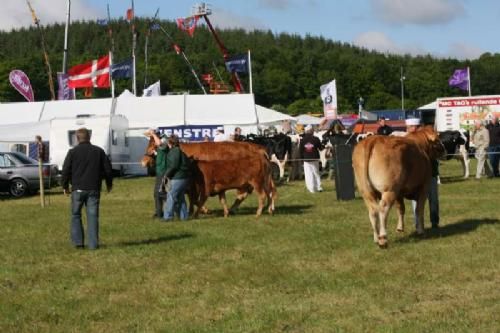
312	267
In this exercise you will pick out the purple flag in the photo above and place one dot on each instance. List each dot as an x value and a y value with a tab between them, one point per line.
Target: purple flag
460	79
64	91
19	80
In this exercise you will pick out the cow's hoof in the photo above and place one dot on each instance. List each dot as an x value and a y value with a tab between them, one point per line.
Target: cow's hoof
400	230
382	242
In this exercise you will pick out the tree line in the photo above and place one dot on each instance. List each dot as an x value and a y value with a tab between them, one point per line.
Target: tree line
287	69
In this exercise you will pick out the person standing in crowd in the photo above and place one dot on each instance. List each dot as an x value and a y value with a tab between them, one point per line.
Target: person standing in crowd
494	148
159	193
219	135
84	167
237	134
384	129
481	139
178	174
309	152
412	124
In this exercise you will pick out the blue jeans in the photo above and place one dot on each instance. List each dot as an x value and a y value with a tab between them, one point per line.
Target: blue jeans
433	203
176	201
91	201
494	158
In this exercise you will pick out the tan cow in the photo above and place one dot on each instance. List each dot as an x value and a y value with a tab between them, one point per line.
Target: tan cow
390	169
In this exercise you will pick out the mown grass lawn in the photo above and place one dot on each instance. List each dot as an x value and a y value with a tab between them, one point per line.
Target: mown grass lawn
313	267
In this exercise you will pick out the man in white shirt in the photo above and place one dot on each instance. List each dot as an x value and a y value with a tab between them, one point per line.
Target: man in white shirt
219	135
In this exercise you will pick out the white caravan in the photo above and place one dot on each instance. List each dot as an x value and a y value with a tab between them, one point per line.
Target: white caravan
108	132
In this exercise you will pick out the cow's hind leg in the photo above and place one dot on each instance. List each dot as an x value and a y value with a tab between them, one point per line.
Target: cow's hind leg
241	195
222	199
400	204
373	215
385	204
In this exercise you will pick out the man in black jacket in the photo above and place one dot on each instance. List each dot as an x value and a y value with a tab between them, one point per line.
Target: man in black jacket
309	151
384	129
84	167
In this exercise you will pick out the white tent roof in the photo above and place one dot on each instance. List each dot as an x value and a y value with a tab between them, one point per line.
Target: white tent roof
149	112
146	112
268	116
22	112
72	108
25	132
305	119
432	105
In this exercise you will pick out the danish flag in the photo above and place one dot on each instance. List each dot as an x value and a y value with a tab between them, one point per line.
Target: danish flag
94	73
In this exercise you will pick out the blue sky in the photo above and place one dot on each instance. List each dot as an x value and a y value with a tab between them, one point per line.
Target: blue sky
443	28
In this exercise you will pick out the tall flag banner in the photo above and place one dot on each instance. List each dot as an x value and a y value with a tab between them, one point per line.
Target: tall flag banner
329	97
188	24
460	79
122	70
94	73
152	90
238	63
20	81
64	92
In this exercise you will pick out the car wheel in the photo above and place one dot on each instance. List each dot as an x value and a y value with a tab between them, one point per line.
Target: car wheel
18	188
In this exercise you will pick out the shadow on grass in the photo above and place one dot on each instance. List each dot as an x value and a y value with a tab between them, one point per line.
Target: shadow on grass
452	179
252	210
158	240
458	228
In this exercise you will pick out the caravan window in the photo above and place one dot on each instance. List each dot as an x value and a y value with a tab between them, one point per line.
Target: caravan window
18	147
72	138
126	139
114	138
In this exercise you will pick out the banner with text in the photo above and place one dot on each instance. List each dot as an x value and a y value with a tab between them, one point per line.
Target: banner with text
329	98
191	133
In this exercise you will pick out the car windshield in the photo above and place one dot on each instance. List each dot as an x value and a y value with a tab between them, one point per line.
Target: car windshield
24	159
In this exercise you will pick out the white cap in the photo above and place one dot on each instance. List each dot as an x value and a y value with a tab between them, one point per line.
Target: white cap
308	128
412	122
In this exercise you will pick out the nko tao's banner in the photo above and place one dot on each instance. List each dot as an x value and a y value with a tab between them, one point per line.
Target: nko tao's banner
20	81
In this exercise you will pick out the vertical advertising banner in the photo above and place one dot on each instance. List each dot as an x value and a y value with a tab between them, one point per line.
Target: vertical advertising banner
329	98
20	81
64	92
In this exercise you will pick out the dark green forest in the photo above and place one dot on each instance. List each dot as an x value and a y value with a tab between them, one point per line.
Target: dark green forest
287	69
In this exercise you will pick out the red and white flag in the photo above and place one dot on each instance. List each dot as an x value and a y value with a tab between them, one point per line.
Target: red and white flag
177	48
94	73
188	24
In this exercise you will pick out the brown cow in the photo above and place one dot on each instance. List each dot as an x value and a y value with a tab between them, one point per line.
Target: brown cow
225	155
389	169
244	175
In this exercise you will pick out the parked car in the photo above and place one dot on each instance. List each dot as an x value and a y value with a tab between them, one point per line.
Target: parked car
19	174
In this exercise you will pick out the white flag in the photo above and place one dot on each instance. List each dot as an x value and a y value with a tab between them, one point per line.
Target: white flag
152	90
329	97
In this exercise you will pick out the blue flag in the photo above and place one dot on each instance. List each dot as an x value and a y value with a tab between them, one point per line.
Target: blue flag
238	63
154	26
122	69
102	21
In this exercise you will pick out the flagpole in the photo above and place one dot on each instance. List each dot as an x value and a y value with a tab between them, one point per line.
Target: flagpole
250	72
134	41
111	74
110	32
468	75
66	29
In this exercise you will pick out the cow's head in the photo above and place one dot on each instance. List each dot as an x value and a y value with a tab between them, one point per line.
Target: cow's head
148	160
436	148
451	140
